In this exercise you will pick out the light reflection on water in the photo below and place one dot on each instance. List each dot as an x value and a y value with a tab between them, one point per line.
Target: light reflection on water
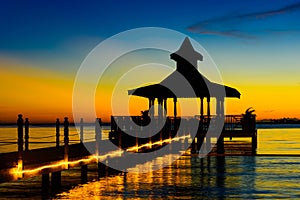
279	141
187	178
212	177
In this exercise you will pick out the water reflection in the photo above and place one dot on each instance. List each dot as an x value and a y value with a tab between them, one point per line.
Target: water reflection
245	177
188	177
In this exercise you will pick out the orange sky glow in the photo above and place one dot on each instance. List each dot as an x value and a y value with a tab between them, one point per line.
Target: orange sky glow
44	95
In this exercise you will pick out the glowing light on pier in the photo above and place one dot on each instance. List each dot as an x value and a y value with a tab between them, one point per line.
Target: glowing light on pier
150	144
17	172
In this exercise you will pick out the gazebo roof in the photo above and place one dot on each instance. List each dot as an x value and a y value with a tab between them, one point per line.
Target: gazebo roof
187	51
186	81
162	91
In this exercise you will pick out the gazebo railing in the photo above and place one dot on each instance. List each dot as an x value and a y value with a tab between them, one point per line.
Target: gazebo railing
231	122
137	123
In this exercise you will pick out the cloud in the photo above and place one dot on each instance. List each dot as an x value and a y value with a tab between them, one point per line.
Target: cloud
282	10
230	33
237	25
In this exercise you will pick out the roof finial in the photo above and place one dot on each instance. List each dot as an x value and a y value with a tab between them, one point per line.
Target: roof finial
187	51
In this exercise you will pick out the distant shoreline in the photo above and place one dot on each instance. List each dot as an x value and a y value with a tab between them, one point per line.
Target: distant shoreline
259	125
271	125
49	124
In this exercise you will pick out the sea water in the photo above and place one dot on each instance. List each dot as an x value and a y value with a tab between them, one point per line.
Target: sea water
245	177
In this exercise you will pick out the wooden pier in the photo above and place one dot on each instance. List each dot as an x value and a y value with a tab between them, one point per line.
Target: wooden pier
235	126
52	160
49	162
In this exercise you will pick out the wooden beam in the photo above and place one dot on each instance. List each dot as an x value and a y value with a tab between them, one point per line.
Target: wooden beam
175	108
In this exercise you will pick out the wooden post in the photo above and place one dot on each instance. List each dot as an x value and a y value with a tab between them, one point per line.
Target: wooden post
97	135
220	145
193	146
160	109
136	140
218	109
165	108
201	109
84	169
26	134
175	115
160	117
254	143
55	181
20	143
45	183
81	130
120	139
222	111
208	107
220	171
200	140
175	108
101	169
208	144
57	124
151	105
66	142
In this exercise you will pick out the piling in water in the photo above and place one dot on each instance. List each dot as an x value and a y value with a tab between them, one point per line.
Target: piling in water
66	142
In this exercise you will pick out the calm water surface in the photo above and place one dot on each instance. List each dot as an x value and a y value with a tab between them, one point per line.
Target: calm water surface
208	178
242	177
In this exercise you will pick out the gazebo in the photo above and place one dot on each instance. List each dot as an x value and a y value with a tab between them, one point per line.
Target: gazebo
186	59
184	82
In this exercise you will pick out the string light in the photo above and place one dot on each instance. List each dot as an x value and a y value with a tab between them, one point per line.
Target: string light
19	172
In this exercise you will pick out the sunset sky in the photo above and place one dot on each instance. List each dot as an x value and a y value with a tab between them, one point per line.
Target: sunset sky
255	45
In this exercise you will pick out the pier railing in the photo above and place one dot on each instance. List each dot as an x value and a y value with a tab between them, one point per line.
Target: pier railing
243	123
28	162
129	131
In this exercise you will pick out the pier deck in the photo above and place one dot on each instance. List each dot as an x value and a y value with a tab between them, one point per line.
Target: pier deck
52	160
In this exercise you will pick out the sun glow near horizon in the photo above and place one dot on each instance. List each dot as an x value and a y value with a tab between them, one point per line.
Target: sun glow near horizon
44	95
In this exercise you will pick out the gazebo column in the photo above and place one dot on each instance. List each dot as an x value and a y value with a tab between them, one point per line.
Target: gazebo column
208	107
151	105
175	107
220	107
175	114
165	107
201	110
160	117
208	141
218	110
160	108
198	140
222	112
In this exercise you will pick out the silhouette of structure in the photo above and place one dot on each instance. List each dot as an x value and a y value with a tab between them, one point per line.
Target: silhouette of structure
186	58
185	82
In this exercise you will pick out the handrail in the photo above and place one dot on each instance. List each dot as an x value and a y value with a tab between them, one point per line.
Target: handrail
231	122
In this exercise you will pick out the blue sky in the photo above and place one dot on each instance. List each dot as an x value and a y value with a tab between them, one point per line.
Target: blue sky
50	27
